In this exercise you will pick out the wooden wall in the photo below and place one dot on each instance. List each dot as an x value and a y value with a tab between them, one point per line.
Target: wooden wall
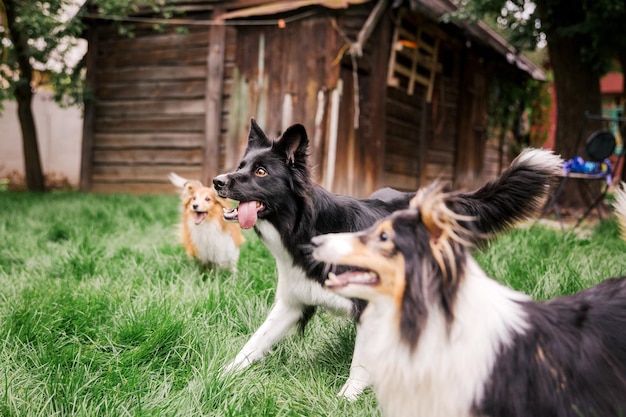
361	149
152	113
281	77
149	108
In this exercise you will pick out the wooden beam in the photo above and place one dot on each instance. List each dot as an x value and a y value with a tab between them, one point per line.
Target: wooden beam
86	160
214	89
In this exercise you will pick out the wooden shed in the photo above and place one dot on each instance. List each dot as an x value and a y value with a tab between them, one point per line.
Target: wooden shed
389	94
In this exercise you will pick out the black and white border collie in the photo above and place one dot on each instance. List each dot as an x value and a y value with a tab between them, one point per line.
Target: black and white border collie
445	340
286	208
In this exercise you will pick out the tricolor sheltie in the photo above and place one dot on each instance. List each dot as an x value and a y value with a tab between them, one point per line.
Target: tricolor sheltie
445	340
286	208
204	233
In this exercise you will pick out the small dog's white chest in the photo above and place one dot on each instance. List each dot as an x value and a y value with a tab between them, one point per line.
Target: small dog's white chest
294	287
214	244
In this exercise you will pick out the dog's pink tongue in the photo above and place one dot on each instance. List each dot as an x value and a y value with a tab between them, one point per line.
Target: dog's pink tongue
246	212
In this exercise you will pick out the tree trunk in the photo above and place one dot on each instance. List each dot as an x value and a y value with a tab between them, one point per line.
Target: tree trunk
24	97
577	89
32	161
576	84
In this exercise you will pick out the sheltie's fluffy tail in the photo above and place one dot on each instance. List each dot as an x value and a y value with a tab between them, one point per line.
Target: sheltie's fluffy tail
517	194
620	208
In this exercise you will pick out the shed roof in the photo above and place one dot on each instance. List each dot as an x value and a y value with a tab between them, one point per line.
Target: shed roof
479	30
434	9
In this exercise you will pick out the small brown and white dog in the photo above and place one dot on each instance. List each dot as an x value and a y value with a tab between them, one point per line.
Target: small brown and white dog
205	234
445	340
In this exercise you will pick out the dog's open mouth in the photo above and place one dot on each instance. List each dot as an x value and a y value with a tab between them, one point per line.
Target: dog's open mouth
351	277
199	216
245	214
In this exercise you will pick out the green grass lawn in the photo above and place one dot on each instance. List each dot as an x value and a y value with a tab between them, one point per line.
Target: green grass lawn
102	314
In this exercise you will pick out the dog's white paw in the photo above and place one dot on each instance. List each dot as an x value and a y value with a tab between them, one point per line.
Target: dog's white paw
352	389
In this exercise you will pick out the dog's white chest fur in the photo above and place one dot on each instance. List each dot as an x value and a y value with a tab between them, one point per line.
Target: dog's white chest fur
457	361
213	244
293	284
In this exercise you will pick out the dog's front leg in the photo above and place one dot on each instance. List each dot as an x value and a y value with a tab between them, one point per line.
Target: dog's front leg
359	377
280	320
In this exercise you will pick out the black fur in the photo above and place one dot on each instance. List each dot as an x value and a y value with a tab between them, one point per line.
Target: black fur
502	202
571	362
412	240
300	209
296	206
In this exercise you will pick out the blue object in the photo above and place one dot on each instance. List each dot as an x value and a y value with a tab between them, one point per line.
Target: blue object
579	165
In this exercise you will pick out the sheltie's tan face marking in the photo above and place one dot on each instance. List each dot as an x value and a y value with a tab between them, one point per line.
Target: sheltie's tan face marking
414	257
204	233
203	203
381	266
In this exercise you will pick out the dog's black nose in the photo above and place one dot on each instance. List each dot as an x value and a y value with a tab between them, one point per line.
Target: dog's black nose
219	182
194	206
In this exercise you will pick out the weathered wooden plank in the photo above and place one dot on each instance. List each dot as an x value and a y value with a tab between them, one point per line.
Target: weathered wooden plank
155	72
400	181
149	140
154	89
113	109
134	188
182	56
214	91
440	156
148	156
115	44
401	146
435	171
142	173
89	118
397	110
155	124
400	164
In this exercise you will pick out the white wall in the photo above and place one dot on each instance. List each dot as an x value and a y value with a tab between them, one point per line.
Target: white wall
60	138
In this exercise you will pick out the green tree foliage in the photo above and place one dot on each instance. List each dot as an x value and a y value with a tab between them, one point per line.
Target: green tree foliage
584	38
38	35
600	23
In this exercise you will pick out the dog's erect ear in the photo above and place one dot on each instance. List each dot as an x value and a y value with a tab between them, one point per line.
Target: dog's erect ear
256	137
192	185
293	143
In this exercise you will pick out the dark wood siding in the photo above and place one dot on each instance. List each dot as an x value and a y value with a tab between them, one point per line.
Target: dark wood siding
149	108
404	138
158	108
422	136
443	113
290	86
359	169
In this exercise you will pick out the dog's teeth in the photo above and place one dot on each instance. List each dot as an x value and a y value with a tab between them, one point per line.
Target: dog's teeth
332	276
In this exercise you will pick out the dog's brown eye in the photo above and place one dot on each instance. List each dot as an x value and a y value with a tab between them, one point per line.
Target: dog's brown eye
207	199
260	172
383	237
